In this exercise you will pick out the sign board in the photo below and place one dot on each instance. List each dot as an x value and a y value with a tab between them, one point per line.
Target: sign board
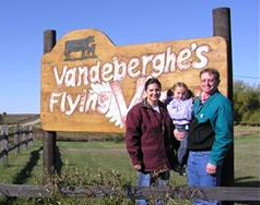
89	84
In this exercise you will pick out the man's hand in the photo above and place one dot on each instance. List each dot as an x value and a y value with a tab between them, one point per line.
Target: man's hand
211	168
137	167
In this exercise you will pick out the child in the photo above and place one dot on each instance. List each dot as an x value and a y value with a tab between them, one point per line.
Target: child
180	111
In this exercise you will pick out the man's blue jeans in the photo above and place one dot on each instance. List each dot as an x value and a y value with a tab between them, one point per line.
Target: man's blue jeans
145	180
198	177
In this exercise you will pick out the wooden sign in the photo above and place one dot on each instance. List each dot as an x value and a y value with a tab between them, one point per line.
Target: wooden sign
89	84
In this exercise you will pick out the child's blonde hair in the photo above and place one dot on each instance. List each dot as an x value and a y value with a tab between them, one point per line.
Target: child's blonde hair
179	84
182	85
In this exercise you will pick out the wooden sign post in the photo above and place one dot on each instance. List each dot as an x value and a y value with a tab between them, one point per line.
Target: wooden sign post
49	144
222	27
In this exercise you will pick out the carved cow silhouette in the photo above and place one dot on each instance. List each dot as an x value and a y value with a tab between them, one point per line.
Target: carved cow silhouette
84	45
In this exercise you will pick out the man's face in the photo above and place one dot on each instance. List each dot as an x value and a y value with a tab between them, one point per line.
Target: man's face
208	83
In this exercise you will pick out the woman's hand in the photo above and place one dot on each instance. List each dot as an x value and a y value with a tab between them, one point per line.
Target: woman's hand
179	135
211	168
137	167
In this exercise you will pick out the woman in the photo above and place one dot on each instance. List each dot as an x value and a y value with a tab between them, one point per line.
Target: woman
149	138
210	134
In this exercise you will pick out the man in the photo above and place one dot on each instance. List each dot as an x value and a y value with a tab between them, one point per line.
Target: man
210	134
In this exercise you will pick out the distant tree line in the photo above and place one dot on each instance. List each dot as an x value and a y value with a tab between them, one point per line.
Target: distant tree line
246	100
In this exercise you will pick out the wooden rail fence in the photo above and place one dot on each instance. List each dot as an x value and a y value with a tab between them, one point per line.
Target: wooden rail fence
234	194
14	138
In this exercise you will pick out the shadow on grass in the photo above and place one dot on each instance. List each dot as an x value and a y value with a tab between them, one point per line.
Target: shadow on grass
25	173
248	181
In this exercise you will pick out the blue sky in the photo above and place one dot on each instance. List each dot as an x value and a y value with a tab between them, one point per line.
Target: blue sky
125	22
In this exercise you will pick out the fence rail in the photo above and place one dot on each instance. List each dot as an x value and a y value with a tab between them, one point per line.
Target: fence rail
14	138
235	194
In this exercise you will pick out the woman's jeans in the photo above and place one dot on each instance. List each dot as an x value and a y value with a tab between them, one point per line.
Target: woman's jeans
145	180
198	177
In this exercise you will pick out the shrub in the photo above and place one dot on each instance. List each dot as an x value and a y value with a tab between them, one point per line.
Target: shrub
246	103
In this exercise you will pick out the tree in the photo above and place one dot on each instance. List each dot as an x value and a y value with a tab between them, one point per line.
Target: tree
246	103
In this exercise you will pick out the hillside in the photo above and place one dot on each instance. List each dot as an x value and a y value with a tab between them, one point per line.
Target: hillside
18	118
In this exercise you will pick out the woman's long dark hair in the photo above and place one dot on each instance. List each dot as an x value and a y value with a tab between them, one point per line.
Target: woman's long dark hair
152	81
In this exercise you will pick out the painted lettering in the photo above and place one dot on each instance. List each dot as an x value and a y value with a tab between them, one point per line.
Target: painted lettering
83	72
132	65
119	69
94	73
170	61
70	78
184	58
202	60
59	79
72	103
158	64
107	72
105	94
145	61
53	100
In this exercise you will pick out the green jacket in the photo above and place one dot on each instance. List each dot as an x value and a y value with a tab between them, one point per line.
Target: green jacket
212	127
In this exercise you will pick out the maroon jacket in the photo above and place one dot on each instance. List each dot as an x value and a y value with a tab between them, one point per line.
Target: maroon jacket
149	137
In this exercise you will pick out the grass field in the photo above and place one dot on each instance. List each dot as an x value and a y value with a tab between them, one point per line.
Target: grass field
247	160
85	162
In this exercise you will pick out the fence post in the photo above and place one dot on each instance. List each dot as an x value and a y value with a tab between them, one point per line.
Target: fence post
4	142
30	137
17	138
49	137
222	27
25	138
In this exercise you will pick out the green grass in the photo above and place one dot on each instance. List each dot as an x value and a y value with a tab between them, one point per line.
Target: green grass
96	156
82	162
103	157
247	160
23	168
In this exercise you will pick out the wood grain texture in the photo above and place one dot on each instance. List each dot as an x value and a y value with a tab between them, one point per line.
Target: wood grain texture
239	194
165	60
